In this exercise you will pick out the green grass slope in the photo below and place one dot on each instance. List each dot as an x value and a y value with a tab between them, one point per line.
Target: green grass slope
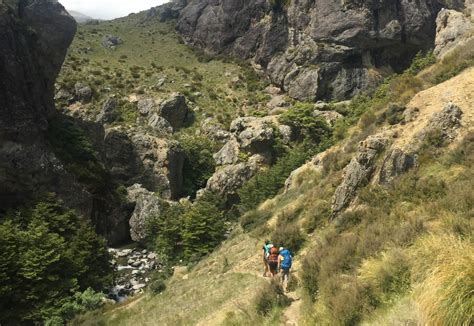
152	51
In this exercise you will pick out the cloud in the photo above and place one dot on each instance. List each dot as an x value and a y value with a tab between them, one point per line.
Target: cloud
109	9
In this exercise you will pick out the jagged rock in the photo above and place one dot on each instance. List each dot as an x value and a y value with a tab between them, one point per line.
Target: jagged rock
358	172
162	161
314	49
287	133
64	95
160	124
395	163
254	135
111	42
446	121
121	158
331	117
277	101
147	205
452	27
214	131
175	110
229	153
107	113
83	92
146	106
230	178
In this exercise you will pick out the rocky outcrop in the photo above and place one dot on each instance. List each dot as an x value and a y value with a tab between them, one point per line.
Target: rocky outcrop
452	28
358	172
248	136
108	112
175	110
147	206
83	93
34	37
331	117
395	163
314	49
162	162
231	178
445	123
110	41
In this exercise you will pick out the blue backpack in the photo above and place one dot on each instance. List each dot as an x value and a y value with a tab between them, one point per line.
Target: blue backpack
286	262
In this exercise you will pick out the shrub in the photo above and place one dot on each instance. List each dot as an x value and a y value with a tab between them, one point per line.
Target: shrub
269	182
270	296
254	218
301	118
199	164
287	233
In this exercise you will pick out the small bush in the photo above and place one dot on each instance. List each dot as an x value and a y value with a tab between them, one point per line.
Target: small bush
254	218
271	295
288	234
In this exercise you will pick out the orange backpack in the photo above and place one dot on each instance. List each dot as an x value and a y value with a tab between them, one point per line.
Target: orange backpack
273	257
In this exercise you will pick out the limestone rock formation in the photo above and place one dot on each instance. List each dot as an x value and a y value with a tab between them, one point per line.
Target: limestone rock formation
230	178
314	49
452	28
358	172
175	110
446	122
395	163
107	113
147	205
162	161
255	135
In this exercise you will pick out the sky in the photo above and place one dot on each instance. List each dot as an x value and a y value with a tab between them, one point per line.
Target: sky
109	9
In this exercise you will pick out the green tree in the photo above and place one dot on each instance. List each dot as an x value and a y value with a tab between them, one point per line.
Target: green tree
204	226
47	254
199	164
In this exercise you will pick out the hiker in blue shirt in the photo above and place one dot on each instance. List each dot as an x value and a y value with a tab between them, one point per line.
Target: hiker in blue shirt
284	265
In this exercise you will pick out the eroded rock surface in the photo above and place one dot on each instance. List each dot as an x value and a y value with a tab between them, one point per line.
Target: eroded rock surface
315	49
358	172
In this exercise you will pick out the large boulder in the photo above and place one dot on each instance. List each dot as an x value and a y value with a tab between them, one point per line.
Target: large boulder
358	172
395	163
175	110
228	180
162	161
111	41
121	157
147	206
255	135
452	28
108	112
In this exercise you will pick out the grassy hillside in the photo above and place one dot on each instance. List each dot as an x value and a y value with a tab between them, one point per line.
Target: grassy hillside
402	254
151	61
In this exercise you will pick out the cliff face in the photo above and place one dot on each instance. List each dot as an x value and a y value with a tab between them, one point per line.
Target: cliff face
315	49
34	38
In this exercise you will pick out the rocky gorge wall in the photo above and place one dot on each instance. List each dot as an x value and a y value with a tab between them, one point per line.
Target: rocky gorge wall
315	50
34	38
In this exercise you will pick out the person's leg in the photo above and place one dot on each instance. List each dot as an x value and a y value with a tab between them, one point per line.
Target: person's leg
285	278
